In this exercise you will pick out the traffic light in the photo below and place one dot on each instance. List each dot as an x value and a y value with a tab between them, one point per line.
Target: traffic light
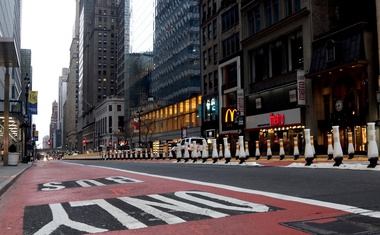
49	142
84	141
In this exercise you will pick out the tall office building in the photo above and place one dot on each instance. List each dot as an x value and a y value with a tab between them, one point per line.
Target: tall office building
62	97
176	54
97	62
53	123
70	116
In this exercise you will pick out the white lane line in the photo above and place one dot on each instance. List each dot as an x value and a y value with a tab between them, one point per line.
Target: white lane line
336	206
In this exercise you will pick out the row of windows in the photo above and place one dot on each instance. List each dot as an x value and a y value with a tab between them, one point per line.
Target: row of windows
231	45
104	57
210	82
278	57
105	49
210	56
269	12
209	9
210	32
230	18
112	65
105	42
180	108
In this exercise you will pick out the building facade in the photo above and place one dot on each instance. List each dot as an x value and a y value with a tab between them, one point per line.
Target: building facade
97	63
176	74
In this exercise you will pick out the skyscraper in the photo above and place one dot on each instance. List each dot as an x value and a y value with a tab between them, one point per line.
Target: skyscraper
176	53
97	62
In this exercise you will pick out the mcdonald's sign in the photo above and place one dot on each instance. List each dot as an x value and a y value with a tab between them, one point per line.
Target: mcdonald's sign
229	115
229	118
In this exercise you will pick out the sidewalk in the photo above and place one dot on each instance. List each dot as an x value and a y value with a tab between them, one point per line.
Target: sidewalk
8	174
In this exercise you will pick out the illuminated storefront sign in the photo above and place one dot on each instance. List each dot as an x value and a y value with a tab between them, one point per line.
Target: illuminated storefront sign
229	115
274	119
230	118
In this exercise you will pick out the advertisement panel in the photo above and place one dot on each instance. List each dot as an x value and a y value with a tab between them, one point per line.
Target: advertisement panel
32	102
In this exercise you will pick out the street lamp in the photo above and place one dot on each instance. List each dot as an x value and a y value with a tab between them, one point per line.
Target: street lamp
26	119
139	112
8	58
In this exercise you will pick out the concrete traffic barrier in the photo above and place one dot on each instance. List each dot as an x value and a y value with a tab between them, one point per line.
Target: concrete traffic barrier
194	152
350	150
204	151
312	146
186	154
296	151
338	152
237	152
373	151
220	151
309	155
214	151
242	156
178	152
269	150
257	151
282	151
227	152
330	149
246	150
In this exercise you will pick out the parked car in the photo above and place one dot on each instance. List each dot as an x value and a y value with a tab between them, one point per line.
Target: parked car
189	140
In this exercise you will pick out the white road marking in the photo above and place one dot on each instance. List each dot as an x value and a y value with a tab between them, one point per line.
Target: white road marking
336	206
245	206
60	217
125	219
83	183
171	204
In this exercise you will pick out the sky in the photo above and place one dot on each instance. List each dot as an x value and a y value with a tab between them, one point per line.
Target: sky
47	28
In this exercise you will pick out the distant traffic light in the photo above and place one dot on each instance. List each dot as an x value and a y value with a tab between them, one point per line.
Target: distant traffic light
49	142
84	141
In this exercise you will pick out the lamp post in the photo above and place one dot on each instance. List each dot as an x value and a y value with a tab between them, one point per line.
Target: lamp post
139	112
26	119
8	58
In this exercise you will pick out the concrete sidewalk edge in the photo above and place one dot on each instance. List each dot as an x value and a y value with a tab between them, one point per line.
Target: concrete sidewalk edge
9	181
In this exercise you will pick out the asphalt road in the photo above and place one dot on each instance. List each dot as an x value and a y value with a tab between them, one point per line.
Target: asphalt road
349	187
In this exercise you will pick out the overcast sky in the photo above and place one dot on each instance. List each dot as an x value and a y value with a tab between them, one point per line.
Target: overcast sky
47	29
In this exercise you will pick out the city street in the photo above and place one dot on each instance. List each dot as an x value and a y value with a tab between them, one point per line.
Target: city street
165	197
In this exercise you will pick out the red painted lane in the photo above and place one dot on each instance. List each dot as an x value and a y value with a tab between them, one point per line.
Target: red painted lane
25	192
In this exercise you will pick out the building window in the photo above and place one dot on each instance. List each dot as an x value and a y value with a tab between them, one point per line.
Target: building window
110	107
215	28
230	18
279	57
231	45
296	50
215	54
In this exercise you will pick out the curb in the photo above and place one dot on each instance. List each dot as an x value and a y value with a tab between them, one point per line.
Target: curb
9	181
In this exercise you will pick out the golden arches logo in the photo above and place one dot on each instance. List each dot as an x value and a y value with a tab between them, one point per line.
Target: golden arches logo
230	115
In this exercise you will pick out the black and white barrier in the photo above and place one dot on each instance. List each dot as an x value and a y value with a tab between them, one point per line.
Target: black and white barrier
257	152
269	150
309	155
330	149
282	151
214	151
350	150
241	150
373	151
227	152
338	152
296	151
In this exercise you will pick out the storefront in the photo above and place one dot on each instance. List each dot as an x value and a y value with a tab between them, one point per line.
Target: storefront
284	124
